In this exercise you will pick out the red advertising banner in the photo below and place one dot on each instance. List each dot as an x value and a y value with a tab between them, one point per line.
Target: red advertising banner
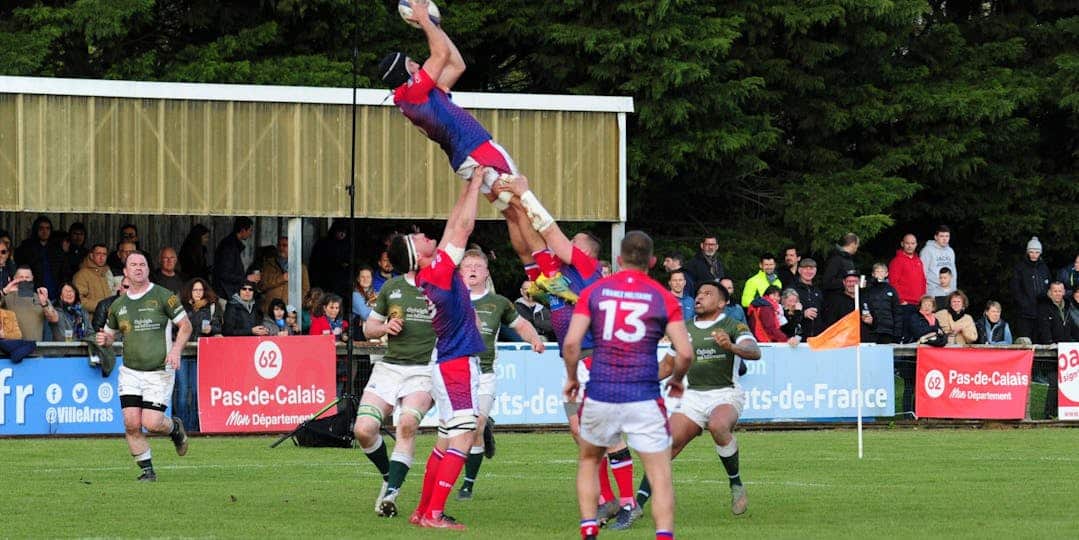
1068	377
972	383
263	384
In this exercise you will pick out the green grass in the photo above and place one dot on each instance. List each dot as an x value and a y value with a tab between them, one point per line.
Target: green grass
912	483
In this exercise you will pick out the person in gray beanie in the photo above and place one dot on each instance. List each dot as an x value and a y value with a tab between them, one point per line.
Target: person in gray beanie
1030	282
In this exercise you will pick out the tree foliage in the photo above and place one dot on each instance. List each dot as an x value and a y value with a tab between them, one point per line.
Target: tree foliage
757	120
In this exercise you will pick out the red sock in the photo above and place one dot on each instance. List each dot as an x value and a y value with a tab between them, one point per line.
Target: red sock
622	469
547	262
448	471
430	474
589	527
605	491
532	271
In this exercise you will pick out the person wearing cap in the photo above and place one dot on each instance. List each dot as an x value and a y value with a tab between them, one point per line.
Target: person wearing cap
422	93
810	296
907	275
836	306
1030	283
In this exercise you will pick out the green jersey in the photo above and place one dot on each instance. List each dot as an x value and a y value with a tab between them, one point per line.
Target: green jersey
146	323
712	366
400	299
493	310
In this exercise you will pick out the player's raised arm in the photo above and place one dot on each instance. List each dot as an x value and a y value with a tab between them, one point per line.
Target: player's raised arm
462	218
455	65
683	355
436	41
538	216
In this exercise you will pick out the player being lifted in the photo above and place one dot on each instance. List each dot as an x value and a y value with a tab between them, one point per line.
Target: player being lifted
565	268
455	373
713	399
422	94
493	310
146	316
628	313
402	380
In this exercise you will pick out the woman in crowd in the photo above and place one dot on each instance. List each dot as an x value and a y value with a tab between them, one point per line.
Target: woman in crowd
194	261
924	327
330	321
277	319
992	329
200	302
792	310
363	294
956	322
69	321
7	263
311	307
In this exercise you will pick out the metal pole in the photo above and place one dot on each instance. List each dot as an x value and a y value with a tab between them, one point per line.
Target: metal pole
352	205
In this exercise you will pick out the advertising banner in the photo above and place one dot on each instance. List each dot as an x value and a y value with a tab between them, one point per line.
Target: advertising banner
1068	377
62	396
785	384
972	383
263	384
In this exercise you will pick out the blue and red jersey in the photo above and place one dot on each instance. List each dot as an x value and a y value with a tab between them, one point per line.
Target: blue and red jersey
429	108
454	317
629	313
581	272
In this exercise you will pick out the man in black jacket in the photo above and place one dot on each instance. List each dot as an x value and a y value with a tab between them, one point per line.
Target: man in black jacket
882	301
228	258
1030	283
811	297
705	265
1054	326
242	315
839	264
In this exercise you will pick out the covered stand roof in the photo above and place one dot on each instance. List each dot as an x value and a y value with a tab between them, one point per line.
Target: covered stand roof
119	147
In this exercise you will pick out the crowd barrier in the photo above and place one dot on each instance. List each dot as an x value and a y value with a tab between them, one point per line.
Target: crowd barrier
270	384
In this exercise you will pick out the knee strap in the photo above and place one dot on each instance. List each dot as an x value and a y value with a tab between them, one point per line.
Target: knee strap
370	411
413	412
458	425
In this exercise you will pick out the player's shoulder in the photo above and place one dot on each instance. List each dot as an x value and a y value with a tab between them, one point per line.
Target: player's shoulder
733	326
501	300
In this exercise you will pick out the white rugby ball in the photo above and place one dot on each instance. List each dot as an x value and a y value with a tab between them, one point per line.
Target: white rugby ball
404	8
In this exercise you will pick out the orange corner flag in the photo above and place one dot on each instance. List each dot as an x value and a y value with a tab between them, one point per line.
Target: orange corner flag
846	332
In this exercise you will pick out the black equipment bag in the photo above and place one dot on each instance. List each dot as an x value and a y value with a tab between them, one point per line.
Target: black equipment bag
332	431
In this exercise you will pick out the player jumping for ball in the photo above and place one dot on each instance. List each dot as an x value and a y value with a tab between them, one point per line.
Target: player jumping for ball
455	373
423	95
565	267
714	399
628	313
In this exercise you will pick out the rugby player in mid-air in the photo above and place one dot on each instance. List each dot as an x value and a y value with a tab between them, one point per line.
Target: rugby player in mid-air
423	95
563	268
713	399
628	313
493	310
455	373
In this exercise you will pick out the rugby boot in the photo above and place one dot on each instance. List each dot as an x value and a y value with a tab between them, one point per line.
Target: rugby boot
739	503
557	285
179	437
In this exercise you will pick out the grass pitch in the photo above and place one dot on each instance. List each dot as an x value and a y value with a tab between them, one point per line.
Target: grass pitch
912	483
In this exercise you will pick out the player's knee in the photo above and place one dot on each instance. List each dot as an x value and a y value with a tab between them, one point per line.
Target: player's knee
458	425
368	422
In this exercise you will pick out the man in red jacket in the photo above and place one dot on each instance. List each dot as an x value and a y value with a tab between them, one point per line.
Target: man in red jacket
907	275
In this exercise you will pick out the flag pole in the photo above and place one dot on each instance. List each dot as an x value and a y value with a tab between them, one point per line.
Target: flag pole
858	362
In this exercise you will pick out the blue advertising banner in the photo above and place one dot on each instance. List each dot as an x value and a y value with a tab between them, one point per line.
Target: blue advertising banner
63	396
787	383
790	383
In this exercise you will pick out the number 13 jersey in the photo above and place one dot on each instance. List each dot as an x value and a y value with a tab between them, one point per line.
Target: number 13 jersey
629	313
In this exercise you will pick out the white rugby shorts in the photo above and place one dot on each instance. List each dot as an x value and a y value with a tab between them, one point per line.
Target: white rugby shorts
697	405
153	386
644	423
392	382
485	393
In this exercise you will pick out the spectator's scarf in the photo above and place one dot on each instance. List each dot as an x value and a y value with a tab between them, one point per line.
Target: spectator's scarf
74	313
956	315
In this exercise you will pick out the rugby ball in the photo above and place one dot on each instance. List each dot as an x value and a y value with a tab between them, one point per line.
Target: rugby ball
404	8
